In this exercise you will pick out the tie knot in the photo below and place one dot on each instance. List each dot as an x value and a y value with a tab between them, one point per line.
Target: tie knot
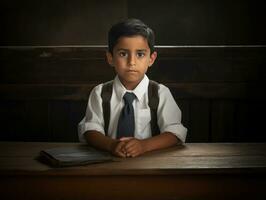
129	97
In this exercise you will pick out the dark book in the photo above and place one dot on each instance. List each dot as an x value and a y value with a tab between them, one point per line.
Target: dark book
73	156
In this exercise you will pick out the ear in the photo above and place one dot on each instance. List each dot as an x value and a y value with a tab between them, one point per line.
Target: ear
153	57
109	57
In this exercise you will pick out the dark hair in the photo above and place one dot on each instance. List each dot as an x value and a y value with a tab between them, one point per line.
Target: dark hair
130	27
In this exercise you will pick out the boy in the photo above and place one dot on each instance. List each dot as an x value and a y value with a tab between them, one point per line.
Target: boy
131	52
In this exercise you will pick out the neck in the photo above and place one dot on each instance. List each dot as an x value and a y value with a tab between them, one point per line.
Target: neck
129	85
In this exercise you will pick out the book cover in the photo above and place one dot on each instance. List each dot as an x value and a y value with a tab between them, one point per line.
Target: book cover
73	156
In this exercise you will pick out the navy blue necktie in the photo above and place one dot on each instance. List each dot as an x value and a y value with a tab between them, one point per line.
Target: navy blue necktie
126	122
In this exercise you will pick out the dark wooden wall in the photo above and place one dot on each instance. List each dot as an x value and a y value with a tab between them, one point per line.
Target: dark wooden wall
220	90
176	22
218	80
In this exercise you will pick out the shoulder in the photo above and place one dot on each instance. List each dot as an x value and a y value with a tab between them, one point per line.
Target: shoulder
162	89
107	86
98	88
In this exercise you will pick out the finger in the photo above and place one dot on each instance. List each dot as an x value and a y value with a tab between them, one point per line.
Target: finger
125	138
120	145
120	154
120	150
135	152
130	144
124	150
131	149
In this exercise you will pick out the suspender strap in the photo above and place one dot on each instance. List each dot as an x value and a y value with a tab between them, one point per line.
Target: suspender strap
153	104
106	95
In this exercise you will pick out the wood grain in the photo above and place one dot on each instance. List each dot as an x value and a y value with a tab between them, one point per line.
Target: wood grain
193	171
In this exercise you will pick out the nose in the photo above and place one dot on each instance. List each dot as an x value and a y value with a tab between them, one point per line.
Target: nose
131	60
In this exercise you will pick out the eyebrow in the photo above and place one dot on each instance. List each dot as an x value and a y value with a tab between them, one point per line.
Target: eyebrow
121	49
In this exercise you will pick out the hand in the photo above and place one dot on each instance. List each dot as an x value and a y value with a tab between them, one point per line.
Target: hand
133	147
118	149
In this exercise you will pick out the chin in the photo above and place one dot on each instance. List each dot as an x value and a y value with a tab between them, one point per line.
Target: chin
133	80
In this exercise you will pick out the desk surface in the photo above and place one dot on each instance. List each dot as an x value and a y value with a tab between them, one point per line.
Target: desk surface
19	157
193	171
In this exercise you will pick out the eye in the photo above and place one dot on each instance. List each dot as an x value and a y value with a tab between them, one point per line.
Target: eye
122	54
140	54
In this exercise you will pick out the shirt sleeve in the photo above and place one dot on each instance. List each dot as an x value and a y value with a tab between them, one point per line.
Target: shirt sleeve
169	114
93	119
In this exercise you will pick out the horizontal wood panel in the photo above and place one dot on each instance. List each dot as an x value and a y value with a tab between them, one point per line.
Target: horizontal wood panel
95	71
74	65
206	120
227	158
85	52
190	186
41	120
61	22
179	91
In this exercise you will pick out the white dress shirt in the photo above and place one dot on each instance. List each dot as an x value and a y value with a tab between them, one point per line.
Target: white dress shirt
168	114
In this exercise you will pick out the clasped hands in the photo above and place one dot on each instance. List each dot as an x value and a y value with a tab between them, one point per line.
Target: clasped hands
129	147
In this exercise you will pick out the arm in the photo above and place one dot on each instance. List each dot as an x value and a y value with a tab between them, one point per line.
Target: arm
98	140
169	121
161	141
135	147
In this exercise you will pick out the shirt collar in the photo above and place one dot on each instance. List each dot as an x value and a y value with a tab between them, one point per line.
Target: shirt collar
139	91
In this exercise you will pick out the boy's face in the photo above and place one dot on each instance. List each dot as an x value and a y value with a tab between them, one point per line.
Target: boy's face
131	59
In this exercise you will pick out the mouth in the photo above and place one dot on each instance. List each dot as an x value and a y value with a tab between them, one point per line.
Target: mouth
132	71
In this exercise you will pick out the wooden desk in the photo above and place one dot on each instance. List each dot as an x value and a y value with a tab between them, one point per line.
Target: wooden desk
194	171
